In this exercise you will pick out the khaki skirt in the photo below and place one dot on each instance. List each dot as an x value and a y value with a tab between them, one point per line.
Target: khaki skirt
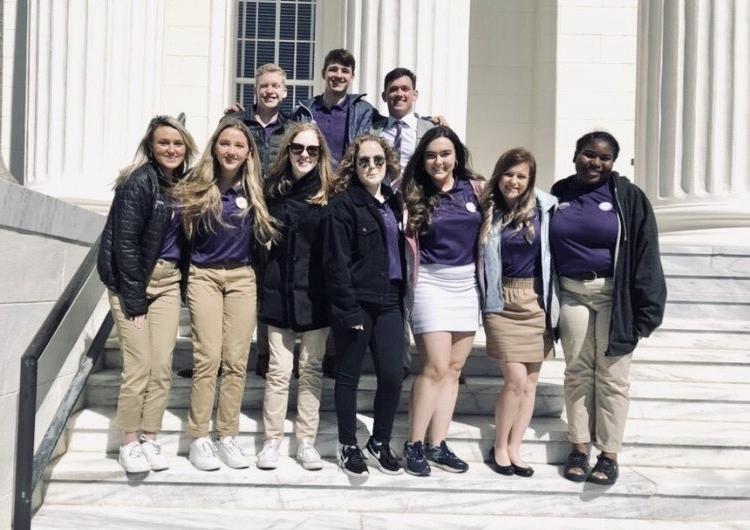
519	334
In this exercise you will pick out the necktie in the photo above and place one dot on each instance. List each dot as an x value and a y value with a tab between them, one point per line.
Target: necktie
397	139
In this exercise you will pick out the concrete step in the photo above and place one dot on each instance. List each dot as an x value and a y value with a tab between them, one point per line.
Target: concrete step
709	445
677	259
640	492
477	396
71	517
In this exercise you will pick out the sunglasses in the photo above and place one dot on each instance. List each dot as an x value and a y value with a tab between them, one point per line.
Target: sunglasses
312	150
364	161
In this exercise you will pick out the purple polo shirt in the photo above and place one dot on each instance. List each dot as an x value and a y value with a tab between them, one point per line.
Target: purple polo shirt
391	240
230	241
170	249
521	259
452	236
332	123
583	230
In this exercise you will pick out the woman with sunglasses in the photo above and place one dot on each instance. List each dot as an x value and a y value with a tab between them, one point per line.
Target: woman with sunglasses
365	268
293	301
224	214
141	247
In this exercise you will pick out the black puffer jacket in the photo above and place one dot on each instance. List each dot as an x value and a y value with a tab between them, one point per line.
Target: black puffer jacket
640	290
292	295
356	253
133	236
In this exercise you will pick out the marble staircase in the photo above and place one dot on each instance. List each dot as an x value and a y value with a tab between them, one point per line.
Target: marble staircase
686	458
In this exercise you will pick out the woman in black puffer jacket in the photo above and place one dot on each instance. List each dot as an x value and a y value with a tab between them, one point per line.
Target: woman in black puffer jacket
141	248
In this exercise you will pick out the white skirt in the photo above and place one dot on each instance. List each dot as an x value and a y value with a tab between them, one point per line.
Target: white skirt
446	298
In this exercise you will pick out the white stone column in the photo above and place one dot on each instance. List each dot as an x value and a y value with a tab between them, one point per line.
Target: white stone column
693	112
94	73
430	37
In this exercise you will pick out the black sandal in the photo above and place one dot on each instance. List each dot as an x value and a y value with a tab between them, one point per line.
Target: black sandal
577	460
607	467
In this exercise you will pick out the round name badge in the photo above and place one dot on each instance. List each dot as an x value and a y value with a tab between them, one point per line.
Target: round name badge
471	207
605	206
241	202
563	205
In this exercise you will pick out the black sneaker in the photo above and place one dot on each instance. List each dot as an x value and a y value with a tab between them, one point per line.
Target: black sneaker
352	461
446	459
381	455
415	462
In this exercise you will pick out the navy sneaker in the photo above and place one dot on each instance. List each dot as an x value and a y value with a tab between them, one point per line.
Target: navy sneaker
415	462
446	459
352	461
381	455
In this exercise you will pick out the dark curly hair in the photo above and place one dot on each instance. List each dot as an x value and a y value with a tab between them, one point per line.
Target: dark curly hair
420	195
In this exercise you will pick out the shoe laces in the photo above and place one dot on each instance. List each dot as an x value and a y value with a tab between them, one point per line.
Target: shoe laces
231	446
417	450
206	447
271	445
135	450
445	452
307	451
353	454
155	447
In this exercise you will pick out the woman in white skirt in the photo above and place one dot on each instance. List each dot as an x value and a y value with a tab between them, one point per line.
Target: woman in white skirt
443	219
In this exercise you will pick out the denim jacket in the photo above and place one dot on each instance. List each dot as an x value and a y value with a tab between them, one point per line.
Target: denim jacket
492	263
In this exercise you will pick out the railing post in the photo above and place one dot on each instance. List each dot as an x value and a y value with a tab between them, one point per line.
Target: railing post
25	445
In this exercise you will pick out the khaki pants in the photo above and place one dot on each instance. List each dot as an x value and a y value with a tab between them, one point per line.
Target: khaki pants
596	386
147	352
312	348
222	314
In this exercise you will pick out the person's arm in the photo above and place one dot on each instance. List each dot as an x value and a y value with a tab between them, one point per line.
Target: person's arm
131	206
337	250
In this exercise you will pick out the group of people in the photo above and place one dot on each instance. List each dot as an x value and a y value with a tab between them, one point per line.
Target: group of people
337	219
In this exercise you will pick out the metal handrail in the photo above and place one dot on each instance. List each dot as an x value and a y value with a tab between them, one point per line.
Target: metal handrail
30	466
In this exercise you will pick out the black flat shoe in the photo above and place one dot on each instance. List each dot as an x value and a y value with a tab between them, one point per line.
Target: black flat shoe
522	471
576	460
497	468
607	467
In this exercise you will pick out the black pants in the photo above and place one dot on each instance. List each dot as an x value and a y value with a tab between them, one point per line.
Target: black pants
384	333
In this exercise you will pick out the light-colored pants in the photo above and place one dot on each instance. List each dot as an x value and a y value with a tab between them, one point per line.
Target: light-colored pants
147	352
596	386
312	349
222	314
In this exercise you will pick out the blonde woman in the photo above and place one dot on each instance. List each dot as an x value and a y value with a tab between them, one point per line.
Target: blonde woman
519	302
293	301
141	248
224	214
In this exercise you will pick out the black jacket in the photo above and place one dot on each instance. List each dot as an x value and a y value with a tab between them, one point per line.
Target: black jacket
640	291
267	150
356	253
292	295
133	237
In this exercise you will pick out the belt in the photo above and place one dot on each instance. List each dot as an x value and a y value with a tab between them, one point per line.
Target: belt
589	275
222	265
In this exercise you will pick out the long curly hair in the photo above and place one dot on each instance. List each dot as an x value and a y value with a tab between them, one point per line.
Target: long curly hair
280	178
420	195
199	197
144	152
497	214
348	167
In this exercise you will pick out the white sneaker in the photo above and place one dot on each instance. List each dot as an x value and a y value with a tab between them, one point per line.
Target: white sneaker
152	452
231	453
308	456
203	454
268	458
132	458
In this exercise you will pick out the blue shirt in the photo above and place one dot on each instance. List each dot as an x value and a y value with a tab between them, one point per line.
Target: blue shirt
521	259
170	249
332	123
391	240
583	230
452	236
230	241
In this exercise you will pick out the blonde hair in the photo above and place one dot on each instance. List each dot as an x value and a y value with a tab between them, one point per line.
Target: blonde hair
493	203
280	178
145	153
269	68
199	196
348	166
